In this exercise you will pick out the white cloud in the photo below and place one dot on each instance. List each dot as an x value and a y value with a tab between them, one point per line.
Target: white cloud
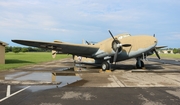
173	36
84	18
32	20
57	29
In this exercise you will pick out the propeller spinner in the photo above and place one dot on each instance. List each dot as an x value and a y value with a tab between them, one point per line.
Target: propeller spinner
117	47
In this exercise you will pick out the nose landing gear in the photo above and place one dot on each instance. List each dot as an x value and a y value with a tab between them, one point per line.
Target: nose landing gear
139	63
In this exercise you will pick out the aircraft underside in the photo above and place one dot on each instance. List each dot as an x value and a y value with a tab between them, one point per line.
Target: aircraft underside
105	64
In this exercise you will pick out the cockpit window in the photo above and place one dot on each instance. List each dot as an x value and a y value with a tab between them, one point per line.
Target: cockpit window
123	36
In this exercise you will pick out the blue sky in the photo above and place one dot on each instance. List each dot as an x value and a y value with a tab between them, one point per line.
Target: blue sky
74	20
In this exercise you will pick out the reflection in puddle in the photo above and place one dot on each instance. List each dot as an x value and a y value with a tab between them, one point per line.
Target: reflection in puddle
15	75
63	69
41	80
39	76
64	79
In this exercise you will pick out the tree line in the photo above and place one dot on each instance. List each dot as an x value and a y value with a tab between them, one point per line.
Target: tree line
175	50
24	49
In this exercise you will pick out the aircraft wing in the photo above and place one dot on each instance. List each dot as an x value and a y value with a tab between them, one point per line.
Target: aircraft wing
68	48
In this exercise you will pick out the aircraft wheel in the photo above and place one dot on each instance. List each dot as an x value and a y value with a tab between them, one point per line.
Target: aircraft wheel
105	66
140	67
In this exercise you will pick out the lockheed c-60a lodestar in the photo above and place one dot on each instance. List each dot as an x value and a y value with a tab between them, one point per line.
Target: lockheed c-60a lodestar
108	52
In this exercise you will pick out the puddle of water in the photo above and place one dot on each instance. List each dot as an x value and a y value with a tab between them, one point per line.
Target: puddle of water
63	69
12	76
45	77
64	79
38	68
67	79
38	76
42	77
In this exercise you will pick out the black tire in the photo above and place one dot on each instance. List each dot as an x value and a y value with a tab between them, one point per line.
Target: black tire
142	65
105	66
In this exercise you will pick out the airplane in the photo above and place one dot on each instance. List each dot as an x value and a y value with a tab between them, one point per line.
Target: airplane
106	53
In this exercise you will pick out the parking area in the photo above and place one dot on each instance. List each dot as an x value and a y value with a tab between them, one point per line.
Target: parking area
56	83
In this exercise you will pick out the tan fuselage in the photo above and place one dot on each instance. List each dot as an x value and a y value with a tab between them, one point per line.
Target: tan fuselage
139	44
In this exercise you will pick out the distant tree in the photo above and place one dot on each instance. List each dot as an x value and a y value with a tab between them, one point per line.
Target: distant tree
42	50
178	50
16	49
168	51
38	50
170	48
24	49
34	49
6	49
30	49
10	48
175	50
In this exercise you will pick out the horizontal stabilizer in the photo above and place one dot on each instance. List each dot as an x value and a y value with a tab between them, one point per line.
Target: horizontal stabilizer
158	47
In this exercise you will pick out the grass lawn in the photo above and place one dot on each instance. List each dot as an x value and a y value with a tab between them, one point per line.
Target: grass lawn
172	56
22	59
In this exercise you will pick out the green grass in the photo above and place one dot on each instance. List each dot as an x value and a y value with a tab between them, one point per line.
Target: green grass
23	59
172	56
13	60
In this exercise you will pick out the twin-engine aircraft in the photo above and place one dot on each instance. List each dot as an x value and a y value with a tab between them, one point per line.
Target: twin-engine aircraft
108	52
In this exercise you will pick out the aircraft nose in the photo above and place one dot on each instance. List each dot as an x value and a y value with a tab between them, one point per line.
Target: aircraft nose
154	40
149	41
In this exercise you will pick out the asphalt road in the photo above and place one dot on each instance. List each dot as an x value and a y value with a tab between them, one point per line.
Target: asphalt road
55	83
97	96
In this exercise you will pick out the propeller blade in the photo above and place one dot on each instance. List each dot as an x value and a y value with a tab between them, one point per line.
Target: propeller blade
154	35
156	53
126	45
111	34
115	56
87	42
53	53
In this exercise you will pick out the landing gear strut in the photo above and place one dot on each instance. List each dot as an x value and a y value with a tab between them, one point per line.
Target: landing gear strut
139	63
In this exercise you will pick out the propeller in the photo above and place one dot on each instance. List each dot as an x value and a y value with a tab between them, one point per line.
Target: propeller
156	50
156	53
111	35
126	45
117	47
53	53
87	42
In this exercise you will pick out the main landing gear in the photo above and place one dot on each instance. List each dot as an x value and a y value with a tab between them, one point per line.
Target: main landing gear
139	63
105	65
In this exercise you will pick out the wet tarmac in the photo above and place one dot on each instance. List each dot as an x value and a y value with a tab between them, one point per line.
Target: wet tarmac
56	83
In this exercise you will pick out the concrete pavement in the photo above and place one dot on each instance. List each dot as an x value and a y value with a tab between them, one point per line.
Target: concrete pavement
125	85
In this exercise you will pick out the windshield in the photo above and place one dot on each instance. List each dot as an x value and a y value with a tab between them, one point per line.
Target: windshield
123	36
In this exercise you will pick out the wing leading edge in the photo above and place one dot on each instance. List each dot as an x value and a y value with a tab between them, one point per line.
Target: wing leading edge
68	48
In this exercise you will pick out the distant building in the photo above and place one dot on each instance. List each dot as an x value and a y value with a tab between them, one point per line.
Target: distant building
2	52
166	51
